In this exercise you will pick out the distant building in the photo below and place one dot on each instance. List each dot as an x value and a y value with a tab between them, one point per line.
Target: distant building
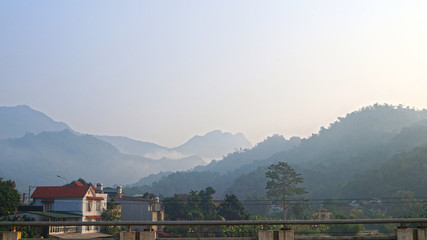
74	202
323	214
139	209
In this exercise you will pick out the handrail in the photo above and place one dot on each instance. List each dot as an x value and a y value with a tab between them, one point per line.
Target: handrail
218	222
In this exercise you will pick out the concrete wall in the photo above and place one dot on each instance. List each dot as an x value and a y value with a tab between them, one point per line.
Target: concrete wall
145	235
276	235
10	235
135	211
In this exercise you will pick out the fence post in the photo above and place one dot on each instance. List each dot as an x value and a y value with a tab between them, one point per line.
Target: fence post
421	233
404	234
127	235
147	235
10	235
286	234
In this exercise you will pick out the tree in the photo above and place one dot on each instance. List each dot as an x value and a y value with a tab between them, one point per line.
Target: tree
112	213
175	208
233	209
84	182
9	197
406	206
257	205
207	206
148	195
344	229
282	184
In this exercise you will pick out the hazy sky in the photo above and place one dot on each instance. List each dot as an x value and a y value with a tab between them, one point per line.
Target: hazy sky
163	71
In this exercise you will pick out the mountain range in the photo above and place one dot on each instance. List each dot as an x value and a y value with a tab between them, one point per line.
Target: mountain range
34	149
375	151
334	162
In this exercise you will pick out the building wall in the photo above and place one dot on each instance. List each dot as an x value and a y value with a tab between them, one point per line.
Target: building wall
63	205
93	211
135	211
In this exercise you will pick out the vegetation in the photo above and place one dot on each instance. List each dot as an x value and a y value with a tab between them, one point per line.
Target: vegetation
9	197
403	172
344	229
112	213
200	206
233	209
26	231
282	185
361	141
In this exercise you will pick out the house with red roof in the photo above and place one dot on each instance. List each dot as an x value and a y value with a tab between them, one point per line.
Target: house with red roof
73	202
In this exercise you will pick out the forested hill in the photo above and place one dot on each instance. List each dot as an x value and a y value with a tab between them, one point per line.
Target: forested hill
361	141
404	172
262	150
218	174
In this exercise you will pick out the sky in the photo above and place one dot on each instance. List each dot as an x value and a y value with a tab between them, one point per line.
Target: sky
164	71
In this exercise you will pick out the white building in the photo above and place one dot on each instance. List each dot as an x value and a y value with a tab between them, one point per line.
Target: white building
74	202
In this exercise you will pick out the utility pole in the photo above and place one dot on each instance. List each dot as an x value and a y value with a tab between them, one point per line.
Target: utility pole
29	193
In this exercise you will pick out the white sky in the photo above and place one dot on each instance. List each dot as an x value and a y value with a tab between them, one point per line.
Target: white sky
164	71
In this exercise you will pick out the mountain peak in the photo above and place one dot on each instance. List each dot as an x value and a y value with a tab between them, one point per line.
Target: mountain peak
214	144
16	121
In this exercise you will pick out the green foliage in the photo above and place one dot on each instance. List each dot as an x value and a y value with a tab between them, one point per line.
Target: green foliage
282	184
310	229
257	205
200	206
9	197
112	213
406	206
345	229
403	172
178	231
26	231
233	209
148	195
248	230
175	208
197	206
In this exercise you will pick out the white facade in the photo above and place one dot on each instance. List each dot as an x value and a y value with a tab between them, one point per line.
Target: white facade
87	206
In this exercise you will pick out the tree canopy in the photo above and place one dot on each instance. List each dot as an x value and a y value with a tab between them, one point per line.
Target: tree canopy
9	197
282	184
233	209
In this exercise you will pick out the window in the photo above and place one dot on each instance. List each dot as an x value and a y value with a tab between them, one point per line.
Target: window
98	205
56	229
89	206
48	207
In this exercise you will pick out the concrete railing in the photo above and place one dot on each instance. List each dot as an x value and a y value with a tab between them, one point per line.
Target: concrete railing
402	233
402	221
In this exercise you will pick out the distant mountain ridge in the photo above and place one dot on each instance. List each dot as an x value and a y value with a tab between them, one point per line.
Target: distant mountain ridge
37	159
15	122
140	148
359	142
215	144
33	143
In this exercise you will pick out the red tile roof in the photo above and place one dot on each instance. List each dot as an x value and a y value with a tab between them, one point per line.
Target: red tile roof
77	183
94	217
61	192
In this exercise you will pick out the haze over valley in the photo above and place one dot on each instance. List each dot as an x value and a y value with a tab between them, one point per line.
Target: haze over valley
334	161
